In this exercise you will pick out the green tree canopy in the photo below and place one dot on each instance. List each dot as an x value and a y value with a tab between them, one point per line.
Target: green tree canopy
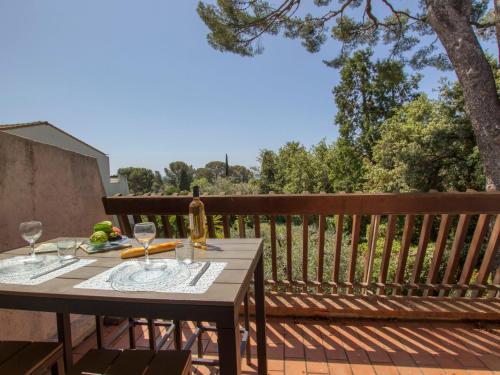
368	94
267	180
426	145
140	180
239	173
217	169
179	175
157	186
406	29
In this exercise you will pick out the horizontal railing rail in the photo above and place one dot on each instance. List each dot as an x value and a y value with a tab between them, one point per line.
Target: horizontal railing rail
406	244
313	204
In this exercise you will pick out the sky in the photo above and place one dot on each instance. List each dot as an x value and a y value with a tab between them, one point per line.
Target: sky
138	80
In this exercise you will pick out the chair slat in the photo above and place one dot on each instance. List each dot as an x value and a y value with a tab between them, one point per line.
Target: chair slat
491	249
167	228
9	348
444	230
211	226
305	248
425	234
273	248
289	248
321	246
339	227
34	358
256	223
152	219
456	249
241	226
386	254
131	362
356	227
403	253
474	249
137	219
178	362
226	227
125	225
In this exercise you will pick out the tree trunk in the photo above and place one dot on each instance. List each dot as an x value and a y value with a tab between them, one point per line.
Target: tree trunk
450	20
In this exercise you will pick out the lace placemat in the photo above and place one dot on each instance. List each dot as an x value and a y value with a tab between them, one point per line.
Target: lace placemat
24	278
102	282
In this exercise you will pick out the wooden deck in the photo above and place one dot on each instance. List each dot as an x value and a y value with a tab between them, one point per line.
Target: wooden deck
366	347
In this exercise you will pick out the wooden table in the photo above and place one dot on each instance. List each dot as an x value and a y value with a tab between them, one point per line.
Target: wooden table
220	304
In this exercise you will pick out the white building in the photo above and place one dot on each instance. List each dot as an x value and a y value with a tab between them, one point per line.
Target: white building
45	132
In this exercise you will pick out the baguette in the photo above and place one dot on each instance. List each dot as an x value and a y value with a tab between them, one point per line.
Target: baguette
153	249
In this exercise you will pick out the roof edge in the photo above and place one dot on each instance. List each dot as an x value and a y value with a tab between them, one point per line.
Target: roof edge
39	123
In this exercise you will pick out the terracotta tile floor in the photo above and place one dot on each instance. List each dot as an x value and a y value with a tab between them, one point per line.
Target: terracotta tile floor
304	346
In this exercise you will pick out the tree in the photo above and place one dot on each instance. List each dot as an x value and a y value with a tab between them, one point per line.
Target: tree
346	171
179	174
140	180
239	173
204	173
294	170
226	167
216	168
426	145
157	186
267	180
368	94
237	25
185	180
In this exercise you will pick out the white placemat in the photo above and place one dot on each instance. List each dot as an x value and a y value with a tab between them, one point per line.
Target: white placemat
25	278
101	281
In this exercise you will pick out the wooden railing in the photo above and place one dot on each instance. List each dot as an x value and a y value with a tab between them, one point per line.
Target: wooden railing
411	244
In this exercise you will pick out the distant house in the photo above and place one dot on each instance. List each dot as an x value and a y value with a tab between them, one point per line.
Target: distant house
45	132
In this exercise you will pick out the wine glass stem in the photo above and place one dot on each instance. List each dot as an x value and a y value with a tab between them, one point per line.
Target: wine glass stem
146	251
32	246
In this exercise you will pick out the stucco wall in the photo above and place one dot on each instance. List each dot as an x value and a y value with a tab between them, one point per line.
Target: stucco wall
63	190
51	136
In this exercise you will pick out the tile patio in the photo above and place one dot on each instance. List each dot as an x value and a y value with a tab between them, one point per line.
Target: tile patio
365	347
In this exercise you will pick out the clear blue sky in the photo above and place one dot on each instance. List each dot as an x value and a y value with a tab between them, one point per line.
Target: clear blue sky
138	80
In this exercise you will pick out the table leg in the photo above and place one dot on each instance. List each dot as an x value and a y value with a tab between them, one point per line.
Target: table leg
178	334
260	316
64	336
152	335
131	333
228	340
99	330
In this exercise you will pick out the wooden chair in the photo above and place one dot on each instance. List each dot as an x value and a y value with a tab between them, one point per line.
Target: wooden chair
154	344
31	358
134	362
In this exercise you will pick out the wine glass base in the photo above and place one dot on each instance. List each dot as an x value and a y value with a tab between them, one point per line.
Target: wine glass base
152	265
35	260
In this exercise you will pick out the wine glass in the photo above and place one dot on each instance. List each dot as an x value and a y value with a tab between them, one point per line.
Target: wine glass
31	232
145	233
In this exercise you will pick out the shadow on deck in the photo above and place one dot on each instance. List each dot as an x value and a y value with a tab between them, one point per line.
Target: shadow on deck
356	346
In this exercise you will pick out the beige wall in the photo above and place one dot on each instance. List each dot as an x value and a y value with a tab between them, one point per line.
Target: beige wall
63	190
49	135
